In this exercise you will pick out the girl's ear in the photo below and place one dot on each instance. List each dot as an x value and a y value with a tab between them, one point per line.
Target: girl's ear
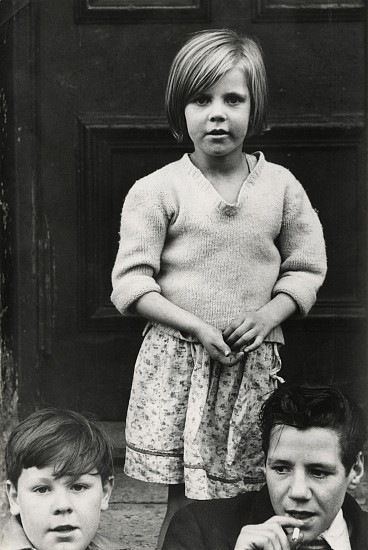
107	489
356	472
12	494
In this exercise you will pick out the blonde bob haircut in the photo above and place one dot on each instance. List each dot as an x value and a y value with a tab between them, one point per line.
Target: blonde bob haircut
201	63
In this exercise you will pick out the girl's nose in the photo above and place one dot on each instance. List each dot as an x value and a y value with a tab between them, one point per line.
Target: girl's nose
217	111
61	503
299	489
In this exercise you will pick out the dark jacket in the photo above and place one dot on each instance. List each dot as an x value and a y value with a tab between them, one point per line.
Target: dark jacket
216	524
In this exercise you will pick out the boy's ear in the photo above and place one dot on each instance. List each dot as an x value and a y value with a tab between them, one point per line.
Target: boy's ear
12	494
356	472
107	489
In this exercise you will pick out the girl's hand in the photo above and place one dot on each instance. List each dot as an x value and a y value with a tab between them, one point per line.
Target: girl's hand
212	340
247	332
269	535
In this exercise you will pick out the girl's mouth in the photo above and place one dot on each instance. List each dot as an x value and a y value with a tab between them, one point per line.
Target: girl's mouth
218	133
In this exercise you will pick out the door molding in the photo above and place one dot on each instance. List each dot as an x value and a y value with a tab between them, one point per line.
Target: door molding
25	192
138	11
268	11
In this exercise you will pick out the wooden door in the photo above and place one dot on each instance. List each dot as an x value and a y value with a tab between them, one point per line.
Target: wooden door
99	75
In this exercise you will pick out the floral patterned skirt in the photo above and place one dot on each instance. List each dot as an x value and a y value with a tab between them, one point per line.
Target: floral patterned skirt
192	420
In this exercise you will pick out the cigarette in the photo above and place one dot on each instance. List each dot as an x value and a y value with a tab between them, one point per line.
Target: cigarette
296	534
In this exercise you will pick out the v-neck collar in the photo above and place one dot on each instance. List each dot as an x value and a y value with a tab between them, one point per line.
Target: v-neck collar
248	183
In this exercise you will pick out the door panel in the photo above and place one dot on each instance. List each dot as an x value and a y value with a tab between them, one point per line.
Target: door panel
100	125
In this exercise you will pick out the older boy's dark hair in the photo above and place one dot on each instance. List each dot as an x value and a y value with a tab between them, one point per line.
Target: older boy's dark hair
68	441
316	406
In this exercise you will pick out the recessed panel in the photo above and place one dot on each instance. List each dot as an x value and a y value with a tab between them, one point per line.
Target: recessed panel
115	154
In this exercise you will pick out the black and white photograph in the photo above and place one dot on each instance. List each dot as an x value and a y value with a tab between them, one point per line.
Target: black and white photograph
183	275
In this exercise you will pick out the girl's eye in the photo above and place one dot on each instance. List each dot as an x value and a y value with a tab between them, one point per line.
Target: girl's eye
202	100
233	99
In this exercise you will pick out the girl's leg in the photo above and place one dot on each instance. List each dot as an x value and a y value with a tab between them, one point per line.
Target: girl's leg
176	500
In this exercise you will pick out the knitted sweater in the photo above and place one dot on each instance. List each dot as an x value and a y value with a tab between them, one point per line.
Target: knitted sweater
218	260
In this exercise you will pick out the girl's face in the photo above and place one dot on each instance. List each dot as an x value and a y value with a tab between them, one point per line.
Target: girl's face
217	119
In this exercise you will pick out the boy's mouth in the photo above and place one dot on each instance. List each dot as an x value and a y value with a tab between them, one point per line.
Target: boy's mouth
64	528
300	514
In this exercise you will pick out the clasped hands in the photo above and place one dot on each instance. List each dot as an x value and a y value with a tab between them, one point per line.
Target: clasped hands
244	334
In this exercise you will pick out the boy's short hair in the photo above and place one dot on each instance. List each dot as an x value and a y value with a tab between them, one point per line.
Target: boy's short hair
70	442
200	64
316	406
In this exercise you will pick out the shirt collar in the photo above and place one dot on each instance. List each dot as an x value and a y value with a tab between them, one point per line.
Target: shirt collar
14	538
337	534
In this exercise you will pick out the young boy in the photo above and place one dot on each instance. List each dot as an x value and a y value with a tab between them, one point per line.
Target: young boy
312	441
60	476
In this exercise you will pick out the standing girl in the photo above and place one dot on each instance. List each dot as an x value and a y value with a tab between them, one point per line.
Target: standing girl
217	249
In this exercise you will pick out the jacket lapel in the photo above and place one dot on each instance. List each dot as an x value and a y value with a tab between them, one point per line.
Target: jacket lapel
261	509
357	522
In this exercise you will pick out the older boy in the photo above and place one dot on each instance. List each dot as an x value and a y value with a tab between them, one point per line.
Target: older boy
312	441
60	476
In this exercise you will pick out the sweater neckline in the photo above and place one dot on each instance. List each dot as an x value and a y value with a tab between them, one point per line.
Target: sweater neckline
248	183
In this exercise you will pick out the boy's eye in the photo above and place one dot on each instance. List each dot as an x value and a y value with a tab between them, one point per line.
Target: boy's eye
280	469
319	474
41	490
78	487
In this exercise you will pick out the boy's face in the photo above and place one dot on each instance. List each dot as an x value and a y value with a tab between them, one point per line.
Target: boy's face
306	478
58	514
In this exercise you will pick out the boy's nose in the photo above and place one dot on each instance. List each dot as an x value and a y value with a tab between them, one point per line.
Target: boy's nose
299	489
62	502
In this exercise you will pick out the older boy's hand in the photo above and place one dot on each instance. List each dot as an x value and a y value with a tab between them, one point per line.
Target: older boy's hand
269	535
247	332
212	340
